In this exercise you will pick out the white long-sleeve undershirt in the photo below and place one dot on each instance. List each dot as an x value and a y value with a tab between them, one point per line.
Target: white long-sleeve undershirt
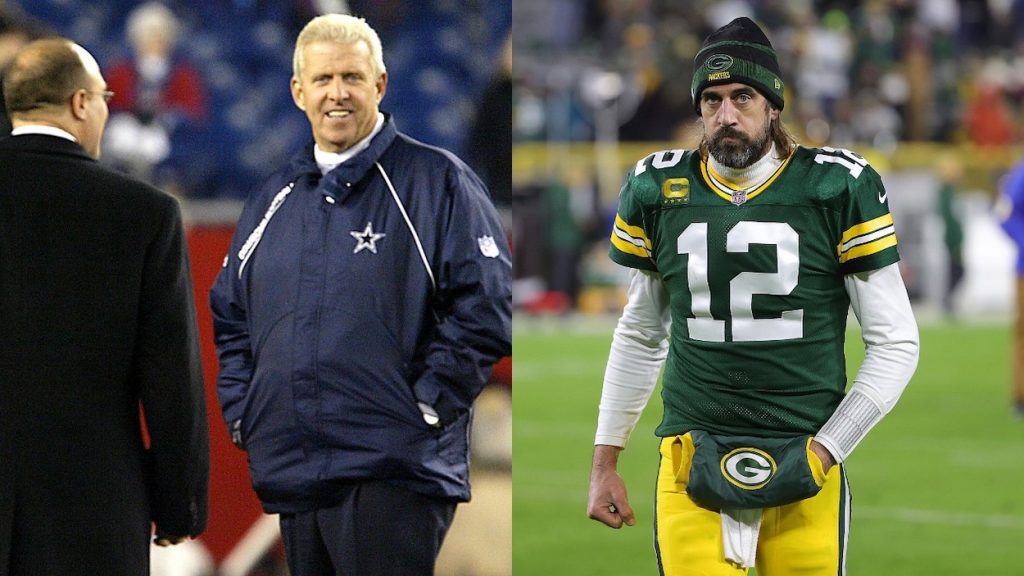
879	301
639	348
891	346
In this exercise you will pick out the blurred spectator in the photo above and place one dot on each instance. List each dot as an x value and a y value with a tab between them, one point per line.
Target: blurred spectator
824	50
159	100
572	216
950	173
491	137
943	116
989	120
1010	210
874	122
918	71
664	93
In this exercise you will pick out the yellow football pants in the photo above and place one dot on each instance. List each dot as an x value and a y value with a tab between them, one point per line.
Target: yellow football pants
806	538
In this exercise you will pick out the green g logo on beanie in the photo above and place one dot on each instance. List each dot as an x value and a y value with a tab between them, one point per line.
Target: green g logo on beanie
719	62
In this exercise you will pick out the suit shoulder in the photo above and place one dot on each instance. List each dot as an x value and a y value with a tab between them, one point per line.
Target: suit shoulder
131	189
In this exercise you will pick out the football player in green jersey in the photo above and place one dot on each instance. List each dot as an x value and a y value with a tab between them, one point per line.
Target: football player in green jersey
746	257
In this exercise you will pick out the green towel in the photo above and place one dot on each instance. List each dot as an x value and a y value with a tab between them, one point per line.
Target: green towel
748	472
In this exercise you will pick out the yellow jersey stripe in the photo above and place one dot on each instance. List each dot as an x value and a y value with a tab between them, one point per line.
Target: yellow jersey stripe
866	227
635	232
718	179
869	248
715	186
626	246
867	238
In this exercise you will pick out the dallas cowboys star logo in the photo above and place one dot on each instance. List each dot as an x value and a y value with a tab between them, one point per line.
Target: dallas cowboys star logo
366	239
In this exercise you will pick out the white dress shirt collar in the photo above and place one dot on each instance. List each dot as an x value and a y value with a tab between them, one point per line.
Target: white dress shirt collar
45	130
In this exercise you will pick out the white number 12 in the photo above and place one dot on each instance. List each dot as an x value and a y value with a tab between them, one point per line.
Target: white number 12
745	328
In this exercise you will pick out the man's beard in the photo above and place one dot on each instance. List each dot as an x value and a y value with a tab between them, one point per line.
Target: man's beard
738	154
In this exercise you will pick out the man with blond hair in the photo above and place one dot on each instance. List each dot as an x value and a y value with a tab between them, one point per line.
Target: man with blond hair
364	299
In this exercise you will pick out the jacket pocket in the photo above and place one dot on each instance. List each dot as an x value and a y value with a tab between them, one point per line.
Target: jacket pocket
453	440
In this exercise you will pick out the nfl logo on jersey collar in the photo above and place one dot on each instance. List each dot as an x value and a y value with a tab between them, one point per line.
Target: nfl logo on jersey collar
739	197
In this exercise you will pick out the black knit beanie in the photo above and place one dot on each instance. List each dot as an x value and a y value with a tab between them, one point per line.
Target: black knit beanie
738	52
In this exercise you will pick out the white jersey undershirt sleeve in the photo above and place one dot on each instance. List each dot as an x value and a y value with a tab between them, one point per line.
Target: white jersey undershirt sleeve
891	343
639	347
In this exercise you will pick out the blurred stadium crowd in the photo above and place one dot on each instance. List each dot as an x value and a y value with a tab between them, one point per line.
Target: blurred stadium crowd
859	72
869	75
226	118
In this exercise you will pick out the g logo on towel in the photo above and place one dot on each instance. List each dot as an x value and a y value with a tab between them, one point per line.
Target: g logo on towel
748	468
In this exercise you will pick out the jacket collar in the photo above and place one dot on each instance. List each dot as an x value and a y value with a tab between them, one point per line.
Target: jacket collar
339	182
45	144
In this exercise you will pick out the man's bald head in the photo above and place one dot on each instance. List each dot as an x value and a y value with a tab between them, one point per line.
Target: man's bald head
55	82
44	73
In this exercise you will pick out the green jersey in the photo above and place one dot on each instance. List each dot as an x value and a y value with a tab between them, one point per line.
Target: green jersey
755	282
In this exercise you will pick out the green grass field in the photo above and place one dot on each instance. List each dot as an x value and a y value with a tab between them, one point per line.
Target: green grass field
938	485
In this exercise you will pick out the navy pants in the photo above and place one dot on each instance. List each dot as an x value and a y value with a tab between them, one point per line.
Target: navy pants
377	529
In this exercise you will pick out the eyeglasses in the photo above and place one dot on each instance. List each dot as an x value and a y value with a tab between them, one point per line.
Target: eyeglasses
105	94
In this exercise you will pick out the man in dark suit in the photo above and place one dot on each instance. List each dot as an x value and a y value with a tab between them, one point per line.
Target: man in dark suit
97	321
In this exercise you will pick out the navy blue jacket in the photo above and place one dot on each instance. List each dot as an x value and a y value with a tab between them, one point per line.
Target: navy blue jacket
344	301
